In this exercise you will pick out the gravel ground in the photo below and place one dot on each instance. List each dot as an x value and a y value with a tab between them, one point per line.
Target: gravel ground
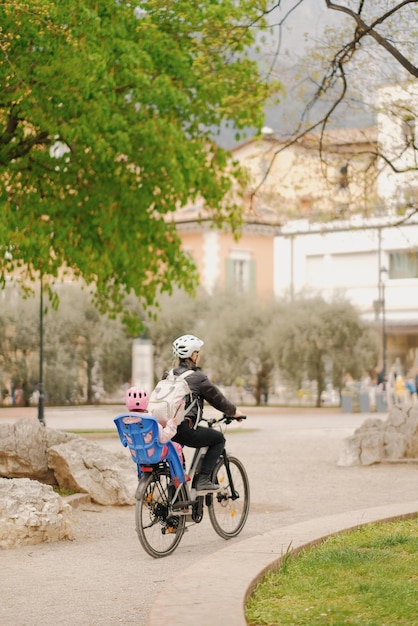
103	577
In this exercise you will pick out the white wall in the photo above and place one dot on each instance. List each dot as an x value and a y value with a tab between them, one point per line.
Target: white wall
211	267
348	262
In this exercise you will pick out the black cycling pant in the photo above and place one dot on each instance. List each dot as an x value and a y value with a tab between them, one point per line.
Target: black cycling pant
201	437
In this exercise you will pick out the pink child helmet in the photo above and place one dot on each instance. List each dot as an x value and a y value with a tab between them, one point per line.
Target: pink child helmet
136	399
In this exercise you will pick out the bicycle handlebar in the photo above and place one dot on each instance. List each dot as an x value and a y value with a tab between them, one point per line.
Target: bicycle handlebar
225	418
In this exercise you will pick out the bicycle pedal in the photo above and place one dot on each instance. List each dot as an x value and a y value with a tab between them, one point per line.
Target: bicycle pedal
182	505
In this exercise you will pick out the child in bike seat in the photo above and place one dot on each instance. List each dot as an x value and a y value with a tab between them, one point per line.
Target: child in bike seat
136	400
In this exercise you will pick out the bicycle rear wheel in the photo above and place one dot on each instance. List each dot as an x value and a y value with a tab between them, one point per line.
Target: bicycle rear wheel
229	506
159	530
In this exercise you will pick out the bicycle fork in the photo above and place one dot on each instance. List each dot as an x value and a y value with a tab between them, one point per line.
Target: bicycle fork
234	493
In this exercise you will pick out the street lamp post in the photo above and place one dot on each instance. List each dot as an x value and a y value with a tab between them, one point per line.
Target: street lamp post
41	359
383	274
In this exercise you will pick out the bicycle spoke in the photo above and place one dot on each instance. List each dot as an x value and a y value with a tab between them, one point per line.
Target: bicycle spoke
228	510
159	530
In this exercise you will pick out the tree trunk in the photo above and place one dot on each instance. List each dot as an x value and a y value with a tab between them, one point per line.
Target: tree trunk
90	365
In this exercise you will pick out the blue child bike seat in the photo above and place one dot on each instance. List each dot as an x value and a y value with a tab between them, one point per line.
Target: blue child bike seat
140	434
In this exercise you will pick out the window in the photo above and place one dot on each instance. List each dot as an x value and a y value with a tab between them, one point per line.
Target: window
240	274
343	177
240	271
403	264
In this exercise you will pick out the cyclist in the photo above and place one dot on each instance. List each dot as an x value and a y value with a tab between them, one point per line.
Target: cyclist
187	349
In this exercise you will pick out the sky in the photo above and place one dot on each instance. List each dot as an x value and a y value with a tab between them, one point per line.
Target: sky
302	29
304	32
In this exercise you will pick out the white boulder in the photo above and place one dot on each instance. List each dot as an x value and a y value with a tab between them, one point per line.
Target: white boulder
31	513
80	465
376	440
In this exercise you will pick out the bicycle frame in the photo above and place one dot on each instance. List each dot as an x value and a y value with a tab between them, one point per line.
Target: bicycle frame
193	471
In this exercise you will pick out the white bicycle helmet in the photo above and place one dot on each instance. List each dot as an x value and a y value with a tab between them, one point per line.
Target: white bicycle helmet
185	345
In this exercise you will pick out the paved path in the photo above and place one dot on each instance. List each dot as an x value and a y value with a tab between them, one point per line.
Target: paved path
104	578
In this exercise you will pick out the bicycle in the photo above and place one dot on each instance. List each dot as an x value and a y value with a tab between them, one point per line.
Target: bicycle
166	497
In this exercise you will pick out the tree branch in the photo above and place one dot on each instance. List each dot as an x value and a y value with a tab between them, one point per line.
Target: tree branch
363	30
25	146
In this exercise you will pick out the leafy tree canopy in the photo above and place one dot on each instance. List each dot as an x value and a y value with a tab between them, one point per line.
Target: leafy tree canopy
107	114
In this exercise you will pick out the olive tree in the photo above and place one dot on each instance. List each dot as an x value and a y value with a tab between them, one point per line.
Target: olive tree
19	340
81	349
240	349
235	330
178	314
310	333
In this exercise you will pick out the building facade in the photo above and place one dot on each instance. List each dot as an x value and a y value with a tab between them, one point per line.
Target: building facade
245	265
328	216
373	263
372	256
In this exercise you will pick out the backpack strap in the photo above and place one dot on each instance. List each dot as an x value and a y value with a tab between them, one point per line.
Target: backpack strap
198	416
185	374
194	401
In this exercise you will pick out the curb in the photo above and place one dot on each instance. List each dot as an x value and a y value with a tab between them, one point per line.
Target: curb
214	590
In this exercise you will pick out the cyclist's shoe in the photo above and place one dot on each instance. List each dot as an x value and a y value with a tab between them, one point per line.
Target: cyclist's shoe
205	485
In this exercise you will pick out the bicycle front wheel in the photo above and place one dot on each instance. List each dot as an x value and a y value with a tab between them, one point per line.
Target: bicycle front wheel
159	530
229	506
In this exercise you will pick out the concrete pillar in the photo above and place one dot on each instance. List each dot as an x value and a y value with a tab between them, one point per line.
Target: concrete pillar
143	364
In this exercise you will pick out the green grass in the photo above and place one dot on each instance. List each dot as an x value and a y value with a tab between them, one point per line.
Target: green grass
366	577
64	492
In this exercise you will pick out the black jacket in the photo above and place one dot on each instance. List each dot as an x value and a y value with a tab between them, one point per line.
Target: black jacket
203	389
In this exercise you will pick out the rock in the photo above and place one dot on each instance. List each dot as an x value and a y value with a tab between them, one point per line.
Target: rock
375	440
371	447
350	452
394	445
83	466
30	450
370	424
31	513
410	430
23	450
396	418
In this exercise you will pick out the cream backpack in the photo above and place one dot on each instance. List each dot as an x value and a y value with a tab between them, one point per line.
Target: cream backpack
169	398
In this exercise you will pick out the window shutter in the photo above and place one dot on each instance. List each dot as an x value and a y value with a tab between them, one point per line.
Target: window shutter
229	273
